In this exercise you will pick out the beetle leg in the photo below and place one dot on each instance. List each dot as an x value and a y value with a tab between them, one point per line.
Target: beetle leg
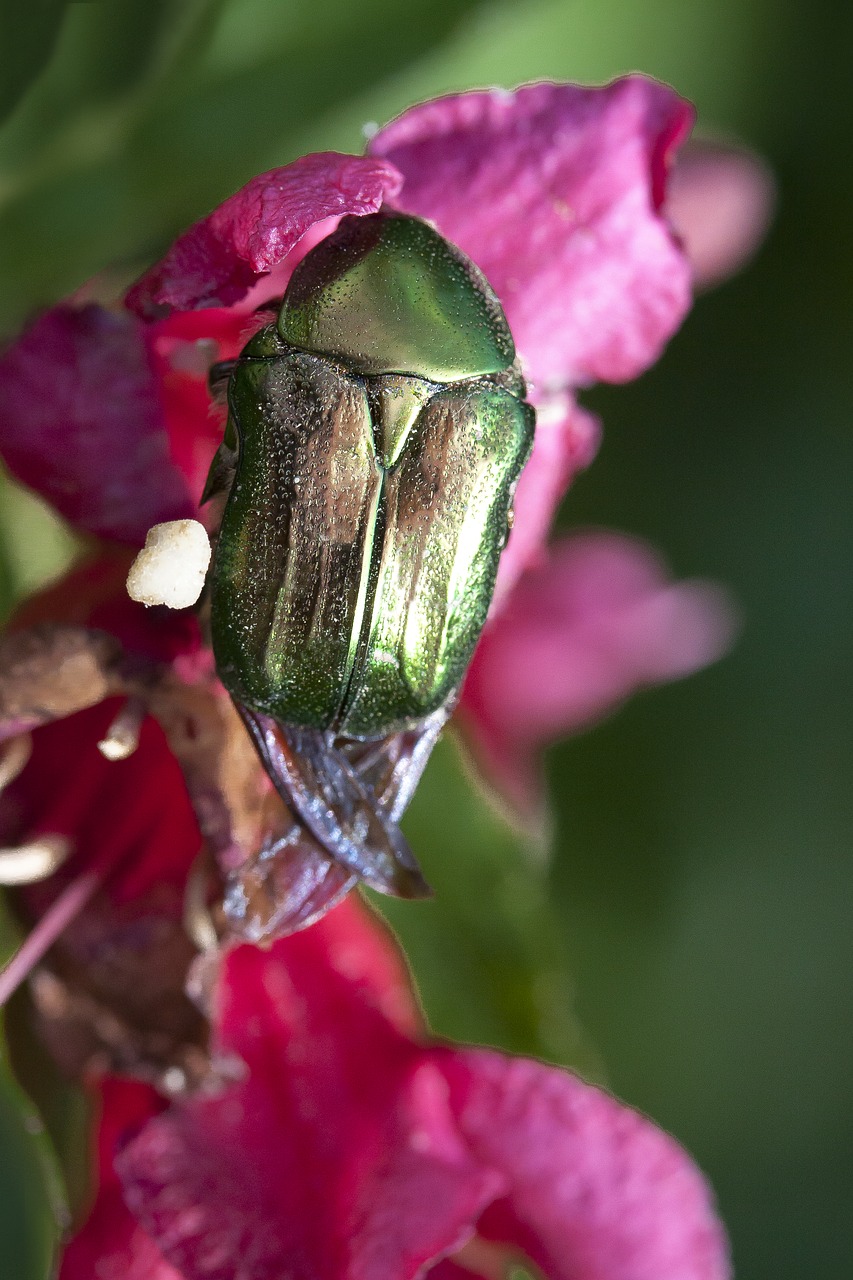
221	474
218	377
341	812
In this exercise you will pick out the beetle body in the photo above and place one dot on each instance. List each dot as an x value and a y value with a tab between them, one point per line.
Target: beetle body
380	429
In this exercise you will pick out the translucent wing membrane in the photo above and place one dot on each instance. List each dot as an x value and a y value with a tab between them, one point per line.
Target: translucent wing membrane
293	879
320	785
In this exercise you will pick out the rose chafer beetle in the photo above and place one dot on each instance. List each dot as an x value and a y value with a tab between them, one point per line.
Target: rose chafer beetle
376	432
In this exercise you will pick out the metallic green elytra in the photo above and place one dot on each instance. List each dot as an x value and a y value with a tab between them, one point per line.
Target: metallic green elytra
380	429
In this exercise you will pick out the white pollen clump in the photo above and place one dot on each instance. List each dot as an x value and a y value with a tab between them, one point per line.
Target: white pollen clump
171	567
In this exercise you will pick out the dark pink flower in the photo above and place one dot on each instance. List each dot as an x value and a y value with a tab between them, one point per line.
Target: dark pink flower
556	191
321	1134
339	1144
81	423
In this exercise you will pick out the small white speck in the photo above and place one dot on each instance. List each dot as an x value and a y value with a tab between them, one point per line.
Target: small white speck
174	1080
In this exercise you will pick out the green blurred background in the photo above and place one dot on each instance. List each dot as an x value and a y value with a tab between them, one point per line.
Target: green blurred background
690	941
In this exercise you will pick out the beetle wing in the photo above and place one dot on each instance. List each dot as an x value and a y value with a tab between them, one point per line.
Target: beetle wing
321	786
296	536
292	880
289	883
392	767
445	504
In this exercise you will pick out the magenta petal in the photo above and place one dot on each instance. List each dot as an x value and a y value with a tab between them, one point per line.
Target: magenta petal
80	422
110	1244
721	201
448	1269
567	439
218	260
338	1148
597	621
555	191
332	1155
595	1190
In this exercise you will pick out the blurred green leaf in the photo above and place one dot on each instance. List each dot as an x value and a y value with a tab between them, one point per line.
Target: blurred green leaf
88	181
35	544
63	1109
27	37
7	580
28	1227
32	1203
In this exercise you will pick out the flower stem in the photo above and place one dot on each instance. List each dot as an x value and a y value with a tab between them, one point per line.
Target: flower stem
52	924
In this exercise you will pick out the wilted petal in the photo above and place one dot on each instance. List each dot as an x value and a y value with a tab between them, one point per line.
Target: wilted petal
555	191
720	201
93	595
218	260
111	1245
51	672
81	423
334	1156
595	623
594	1190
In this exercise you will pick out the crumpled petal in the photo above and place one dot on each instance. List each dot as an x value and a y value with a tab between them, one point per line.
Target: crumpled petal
555	191
220	258
721	201
592	625
595	1191
111	1245
340	1148
80	422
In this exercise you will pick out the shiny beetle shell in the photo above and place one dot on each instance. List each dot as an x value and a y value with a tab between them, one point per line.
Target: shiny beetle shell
380	429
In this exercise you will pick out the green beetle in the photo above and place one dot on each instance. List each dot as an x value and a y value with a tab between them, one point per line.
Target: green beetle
376	433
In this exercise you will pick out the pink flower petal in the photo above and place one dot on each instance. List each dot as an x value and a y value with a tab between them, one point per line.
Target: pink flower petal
595	623
475	1261
111	1245
133	816
449	1269
721	201
80	423
332	1156
566	442
338	1148
182	348
218	260
555	191
595	1190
